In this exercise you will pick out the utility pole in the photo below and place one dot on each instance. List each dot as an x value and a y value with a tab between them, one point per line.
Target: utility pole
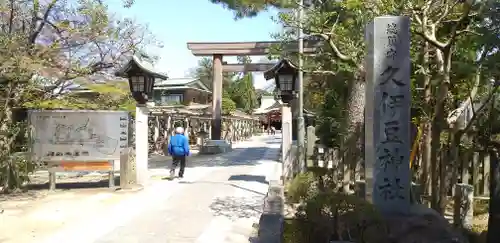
300	79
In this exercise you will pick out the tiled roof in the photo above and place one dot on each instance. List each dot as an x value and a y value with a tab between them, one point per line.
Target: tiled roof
175	81
143	64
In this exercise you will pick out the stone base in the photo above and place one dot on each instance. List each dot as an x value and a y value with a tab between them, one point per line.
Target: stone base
129	189
423	225
216	147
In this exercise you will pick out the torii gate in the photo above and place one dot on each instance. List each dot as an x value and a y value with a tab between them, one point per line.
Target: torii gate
219	49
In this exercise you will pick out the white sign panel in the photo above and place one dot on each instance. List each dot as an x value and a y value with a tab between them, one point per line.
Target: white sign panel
78	135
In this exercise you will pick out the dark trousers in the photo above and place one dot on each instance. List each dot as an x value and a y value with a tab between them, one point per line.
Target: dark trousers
176	160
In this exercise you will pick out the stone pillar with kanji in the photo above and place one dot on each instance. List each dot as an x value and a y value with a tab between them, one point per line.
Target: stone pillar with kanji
387	119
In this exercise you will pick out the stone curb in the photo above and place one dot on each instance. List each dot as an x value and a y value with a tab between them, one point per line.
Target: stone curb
272	220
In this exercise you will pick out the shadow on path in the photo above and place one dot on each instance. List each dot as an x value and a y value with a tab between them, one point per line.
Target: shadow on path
237	207
224	183
256	178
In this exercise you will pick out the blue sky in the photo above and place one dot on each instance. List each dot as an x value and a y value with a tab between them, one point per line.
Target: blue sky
175	23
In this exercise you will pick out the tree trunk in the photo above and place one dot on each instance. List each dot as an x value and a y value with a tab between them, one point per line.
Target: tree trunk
9	132
443	59
6	141
434	153
455	161
494	207
355	120
446	168
425	179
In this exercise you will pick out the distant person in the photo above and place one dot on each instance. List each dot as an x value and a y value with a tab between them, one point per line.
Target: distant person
178	148
273	131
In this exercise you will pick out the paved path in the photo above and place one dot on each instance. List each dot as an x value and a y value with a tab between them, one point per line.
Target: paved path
218	201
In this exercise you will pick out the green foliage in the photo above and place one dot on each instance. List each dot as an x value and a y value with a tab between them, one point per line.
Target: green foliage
251	8
41	57
239	90
15	171
242	92
326	215
98	96
330	129
261	92
16	167
228	106
300	187
204	72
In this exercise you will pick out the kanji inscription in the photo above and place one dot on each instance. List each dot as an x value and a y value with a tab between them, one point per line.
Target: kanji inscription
390	113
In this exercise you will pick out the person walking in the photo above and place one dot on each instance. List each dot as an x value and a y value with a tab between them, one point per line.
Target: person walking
178	148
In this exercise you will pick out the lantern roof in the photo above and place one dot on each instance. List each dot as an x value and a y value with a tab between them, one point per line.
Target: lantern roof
141	63
284	64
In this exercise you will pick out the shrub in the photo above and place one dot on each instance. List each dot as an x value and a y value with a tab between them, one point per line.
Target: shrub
14	171
331	216
300	188
325	214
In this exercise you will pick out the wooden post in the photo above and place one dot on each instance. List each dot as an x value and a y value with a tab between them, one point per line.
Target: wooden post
486	173
52	181
494	204
216	128
416	193
186	131
465	167
157	129
360	188
111	175
475	172
463	208
210	131
168	130
311	142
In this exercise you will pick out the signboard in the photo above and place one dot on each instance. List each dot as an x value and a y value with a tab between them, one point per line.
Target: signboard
78	135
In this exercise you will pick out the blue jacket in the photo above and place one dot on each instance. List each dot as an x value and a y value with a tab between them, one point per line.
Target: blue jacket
178	146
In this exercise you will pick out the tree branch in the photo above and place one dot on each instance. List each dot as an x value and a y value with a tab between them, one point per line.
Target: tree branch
446	12
36	32
11	17
320	72
46	21
454	30
431	38
336	51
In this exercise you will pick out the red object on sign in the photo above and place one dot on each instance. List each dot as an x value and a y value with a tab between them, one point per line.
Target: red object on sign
87	165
